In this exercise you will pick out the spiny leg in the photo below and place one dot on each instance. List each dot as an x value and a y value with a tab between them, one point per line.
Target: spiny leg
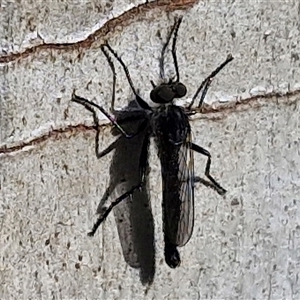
140	101
112	146
89	104
208	184
174	48
162	57
112	205
207	81
202	151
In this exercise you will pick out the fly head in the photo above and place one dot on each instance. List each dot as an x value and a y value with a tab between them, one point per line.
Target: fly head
167	92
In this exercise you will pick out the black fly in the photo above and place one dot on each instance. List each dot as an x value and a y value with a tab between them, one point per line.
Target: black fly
171	129
172	132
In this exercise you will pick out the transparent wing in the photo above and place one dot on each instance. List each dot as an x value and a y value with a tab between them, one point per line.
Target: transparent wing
178	193
186	195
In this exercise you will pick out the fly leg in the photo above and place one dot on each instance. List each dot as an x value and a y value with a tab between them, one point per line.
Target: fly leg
142	103
177	24
202	151
208	184
162	57
89	105
207	81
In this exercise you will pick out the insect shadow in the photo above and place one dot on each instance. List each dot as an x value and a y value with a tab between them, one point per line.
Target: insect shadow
129	166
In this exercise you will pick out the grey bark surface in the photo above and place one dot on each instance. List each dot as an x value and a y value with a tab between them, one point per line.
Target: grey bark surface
245	245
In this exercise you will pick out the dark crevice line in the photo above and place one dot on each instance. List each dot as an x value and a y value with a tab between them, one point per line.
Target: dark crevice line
219	112
242	105
55	134
108	28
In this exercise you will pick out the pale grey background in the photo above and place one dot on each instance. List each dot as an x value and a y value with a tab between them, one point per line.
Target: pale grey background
51	191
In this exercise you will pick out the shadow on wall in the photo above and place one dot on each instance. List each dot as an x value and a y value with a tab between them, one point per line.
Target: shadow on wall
129	166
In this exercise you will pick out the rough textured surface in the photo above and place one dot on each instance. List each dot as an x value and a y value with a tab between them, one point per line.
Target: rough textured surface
244	246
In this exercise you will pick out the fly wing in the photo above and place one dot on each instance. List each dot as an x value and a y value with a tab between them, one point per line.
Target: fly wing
178	193
186	194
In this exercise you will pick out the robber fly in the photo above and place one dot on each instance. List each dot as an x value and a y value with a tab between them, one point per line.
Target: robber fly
171	129
172	133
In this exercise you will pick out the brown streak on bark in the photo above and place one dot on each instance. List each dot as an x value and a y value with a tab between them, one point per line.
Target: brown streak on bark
109	27
55	134
242	105
217	113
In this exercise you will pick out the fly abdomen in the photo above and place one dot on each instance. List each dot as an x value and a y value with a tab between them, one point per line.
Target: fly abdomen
172	256
171	204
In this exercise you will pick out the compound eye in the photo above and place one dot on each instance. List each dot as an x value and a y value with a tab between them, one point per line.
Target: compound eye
180	90
162	94
153	95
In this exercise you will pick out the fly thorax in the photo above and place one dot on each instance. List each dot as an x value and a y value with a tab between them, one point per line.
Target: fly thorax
170	124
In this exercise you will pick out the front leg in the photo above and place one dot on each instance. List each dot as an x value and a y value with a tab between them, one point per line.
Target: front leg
89	105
